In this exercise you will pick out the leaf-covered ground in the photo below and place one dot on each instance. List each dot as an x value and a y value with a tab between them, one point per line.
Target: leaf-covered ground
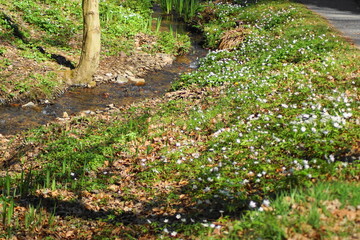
260	142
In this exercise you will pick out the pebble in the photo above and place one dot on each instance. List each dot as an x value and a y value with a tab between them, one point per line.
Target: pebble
121	79
29	105
137	81
140	82
129	74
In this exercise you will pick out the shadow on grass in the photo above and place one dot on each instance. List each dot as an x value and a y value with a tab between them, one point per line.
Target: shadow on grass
143	213
61	60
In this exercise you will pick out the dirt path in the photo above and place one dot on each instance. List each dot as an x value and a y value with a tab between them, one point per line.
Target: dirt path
344	15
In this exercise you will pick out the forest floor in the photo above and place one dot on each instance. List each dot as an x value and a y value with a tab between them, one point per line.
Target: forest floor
260	142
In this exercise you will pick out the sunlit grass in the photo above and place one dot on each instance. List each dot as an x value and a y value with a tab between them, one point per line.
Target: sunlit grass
260	142
300	213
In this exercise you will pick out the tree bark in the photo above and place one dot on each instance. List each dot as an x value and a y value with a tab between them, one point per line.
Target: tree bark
90	53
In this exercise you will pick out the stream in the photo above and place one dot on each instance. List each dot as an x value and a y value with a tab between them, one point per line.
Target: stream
14	119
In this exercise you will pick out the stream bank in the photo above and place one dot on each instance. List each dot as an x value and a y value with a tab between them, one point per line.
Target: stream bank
126	80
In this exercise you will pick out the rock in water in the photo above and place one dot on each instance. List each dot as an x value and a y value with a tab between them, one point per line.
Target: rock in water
29	105
137	81
140	82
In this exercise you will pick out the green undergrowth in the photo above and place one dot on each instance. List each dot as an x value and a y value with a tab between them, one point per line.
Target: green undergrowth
49	33
58	23
260	142
309	213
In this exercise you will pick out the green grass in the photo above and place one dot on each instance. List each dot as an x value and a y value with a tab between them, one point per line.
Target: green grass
259	143
57	22
304	212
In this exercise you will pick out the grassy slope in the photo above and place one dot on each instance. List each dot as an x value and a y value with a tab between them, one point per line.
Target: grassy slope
259	142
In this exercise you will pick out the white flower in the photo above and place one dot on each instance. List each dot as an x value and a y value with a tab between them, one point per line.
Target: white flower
252	204
178	216
303	129
347	115
266	203
173	233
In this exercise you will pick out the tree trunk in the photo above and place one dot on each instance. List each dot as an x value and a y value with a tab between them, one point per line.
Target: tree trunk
90	53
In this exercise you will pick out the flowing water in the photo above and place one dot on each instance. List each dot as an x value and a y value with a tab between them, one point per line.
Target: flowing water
14	119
